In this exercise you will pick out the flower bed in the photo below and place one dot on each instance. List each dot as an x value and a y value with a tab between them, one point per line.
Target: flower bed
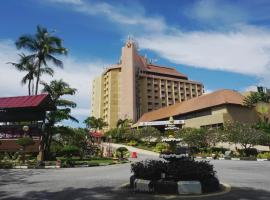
165	177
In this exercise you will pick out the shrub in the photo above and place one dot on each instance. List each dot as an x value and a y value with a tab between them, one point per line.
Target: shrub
121	152
178	170
24	142
248	152
265	155
148	169
70	150
133	143
210	184
160	147
190	170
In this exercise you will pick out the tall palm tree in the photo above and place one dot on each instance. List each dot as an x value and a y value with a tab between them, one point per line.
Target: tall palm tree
95	123
43	46
57	89
26	64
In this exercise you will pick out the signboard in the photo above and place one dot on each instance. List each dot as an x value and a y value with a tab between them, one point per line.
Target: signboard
160	123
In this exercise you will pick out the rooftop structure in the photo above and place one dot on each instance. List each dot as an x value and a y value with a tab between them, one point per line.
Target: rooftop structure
208	110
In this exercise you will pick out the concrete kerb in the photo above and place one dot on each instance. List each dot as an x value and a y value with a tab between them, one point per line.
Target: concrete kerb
226	188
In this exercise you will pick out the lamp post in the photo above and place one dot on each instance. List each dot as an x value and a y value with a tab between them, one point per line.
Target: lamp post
109	137
25	130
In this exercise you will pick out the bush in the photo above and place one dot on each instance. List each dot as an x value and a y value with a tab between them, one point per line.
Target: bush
148	169
25	141
160	147
248	152
133	143
121	151
6	165
184	170
70	150
265	155
210	184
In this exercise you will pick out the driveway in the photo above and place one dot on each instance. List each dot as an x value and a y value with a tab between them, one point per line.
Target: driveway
250	180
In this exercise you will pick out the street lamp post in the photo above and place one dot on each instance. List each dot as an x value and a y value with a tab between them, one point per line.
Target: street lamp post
109	137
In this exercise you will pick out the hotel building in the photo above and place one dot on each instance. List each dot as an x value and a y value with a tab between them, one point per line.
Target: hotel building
136	86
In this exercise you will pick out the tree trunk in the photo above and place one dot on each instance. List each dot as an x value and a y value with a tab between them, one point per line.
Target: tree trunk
38	76
29	87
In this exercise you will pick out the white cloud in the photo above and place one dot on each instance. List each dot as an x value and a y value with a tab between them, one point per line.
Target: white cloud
134	15
77	73
242	49
245	51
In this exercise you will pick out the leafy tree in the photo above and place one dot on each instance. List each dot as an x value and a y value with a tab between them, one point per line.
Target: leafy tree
26	64
57	89
199	137
256	97
245	135
149	133
24	142
43	47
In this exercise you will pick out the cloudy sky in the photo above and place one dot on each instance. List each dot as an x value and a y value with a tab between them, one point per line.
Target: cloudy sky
222	43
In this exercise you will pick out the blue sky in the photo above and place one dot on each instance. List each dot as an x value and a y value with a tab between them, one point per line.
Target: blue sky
222	43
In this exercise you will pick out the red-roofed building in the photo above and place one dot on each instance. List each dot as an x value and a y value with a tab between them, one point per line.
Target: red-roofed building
20	116
136	86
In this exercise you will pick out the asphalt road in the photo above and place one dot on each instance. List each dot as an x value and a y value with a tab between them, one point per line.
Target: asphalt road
250	180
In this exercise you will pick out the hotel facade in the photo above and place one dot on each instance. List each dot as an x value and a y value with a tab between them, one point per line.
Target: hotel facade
136	86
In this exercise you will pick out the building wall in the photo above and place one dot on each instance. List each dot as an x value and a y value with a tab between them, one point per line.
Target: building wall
126	93
221	115
161	91
241	114
214	116
96	102
111	97
127	88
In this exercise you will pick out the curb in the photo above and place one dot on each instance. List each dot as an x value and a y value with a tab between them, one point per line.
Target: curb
234	159
226	188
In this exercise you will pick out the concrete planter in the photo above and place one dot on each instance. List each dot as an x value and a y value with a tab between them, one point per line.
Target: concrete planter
189	187
143	185
52	167
260	159
21	167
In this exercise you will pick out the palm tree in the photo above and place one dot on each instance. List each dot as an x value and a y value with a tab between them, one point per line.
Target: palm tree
56	89
26	64
43	46
95	123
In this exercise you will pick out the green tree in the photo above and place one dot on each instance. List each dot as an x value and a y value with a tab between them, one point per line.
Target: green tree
149	134
95	123
26	64
57	89
43	46
24	142
254	98
244	134
123	123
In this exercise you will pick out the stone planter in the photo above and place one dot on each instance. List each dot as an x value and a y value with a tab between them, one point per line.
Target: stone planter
189	187
143	185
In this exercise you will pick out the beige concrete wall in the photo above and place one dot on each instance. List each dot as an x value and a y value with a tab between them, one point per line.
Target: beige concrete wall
127	89
96	101
241	114
216	117
223	114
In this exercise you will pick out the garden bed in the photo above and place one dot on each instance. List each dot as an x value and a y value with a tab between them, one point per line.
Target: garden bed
177	177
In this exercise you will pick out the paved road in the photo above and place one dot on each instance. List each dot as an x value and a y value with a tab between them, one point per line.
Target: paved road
250	181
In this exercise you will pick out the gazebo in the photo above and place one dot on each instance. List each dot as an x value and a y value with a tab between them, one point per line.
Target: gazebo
23	115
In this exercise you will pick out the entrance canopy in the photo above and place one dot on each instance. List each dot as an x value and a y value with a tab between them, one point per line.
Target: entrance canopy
25	108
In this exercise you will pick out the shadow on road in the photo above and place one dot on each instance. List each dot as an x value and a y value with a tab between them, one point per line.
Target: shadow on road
110	193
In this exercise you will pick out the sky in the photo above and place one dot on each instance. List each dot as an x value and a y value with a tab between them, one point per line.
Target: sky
225	44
